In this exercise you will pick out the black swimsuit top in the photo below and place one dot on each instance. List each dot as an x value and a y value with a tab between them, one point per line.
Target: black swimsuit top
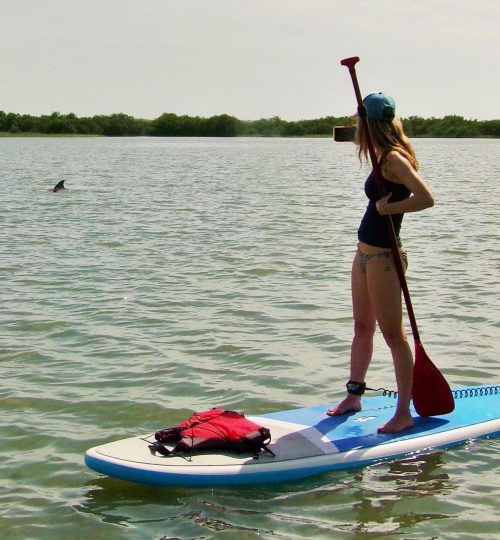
373	229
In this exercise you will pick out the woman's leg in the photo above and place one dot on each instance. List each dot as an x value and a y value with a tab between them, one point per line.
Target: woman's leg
362	343
385	297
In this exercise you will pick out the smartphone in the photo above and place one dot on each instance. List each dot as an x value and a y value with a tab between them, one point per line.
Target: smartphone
344	133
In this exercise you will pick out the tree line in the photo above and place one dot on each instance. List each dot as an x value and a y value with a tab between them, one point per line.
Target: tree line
172	125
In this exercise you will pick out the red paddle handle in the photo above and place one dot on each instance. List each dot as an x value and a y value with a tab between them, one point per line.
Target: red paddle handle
350	62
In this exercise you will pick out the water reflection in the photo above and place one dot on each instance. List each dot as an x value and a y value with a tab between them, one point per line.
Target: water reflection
377	500
386	502
189	513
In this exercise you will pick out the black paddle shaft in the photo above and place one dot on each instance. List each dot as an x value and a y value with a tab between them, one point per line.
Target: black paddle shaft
350	64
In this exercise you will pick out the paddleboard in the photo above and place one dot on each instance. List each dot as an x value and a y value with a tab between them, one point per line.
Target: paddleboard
306	442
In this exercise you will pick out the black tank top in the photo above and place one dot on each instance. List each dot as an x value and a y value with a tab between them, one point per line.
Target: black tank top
373	229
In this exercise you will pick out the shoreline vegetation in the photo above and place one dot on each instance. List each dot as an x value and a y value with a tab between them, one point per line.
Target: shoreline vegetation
172	125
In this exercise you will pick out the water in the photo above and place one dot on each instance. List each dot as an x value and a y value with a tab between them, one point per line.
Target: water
180	274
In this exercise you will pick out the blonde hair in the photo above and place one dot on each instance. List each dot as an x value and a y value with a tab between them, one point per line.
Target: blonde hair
387	135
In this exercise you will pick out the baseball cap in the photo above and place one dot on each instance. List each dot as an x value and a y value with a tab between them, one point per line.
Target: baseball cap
379	106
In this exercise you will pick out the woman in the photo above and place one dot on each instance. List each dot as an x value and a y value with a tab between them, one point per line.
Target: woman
376	290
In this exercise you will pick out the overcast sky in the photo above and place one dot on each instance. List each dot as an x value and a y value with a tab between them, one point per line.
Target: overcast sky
248	58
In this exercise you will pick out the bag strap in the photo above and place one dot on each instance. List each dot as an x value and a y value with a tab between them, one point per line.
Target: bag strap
160	448
259	442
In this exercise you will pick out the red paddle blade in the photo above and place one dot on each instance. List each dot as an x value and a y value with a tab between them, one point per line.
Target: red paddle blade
431	393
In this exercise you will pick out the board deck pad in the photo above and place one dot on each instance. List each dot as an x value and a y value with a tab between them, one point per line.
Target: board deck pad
306	441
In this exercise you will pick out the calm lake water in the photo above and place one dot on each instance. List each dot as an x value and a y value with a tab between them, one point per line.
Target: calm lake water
180	274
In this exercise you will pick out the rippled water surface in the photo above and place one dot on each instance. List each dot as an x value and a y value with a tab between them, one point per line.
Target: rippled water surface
180	274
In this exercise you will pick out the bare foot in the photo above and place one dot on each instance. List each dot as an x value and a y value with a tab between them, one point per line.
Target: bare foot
351	403
398	423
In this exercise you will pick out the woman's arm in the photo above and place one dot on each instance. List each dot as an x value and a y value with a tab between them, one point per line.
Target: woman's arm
398	169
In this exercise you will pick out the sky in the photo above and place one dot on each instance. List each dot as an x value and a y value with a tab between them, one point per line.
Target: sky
248	58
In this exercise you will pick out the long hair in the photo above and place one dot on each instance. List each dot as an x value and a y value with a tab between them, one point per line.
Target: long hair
387	135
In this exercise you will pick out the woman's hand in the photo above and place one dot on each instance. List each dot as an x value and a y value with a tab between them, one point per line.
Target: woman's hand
383	205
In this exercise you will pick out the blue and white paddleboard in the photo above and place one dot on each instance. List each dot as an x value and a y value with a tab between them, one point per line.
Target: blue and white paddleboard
306	442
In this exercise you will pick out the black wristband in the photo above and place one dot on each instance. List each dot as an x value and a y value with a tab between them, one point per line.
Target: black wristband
356	388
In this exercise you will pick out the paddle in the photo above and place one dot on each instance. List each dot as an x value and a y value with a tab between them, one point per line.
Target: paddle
431	393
